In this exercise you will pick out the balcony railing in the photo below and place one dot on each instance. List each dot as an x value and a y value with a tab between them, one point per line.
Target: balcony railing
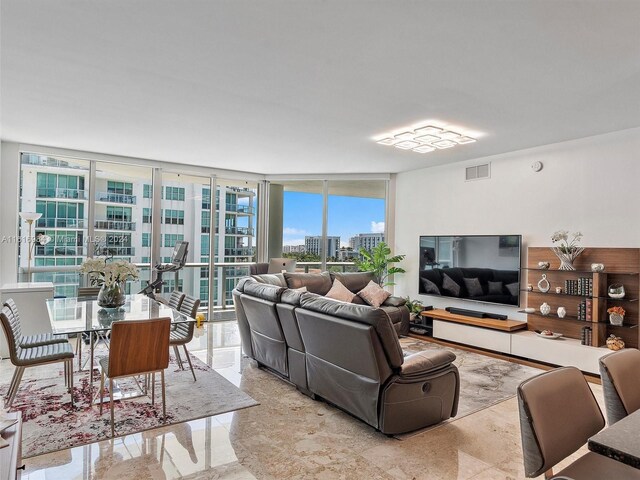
234	207
67	193
238	252
116	250
60	223
59	250
115	225
238	231
116	198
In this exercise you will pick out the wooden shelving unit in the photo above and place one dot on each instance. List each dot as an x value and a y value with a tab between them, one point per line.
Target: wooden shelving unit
622	265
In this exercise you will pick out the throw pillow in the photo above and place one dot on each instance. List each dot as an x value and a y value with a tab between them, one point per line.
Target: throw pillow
374	294
514	289
450	286
340	292
430	287
318	283
495	288
474	289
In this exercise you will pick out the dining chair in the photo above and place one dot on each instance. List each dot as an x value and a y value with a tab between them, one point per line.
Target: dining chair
175	300
558	414
183	332
30	341
619	374
138	347
25	357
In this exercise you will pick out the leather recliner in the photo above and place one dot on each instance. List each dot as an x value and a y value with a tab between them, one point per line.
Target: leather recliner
345	353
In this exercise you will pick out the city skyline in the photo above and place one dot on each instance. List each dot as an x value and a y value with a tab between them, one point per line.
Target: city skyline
303	217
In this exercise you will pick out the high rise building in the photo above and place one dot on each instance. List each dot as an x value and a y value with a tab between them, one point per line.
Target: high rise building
366	241
313	245
122	222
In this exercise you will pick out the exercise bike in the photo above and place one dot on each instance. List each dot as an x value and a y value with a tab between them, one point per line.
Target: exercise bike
178	261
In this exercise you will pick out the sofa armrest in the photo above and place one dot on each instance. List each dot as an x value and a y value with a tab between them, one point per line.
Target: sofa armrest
394	302
423	362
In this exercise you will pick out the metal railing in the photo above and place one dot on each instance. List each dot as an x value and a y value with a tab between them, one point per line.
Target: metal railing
59	250
238	231
115	225
60	223
238	252
66	193
116	198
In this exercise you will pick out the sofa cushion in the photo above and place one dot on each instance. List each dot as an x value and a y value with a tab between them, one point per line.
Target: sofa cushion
265	291
394	313
374	294
318	283
495	288
450	286
430	287
271	279
291	296
354	281
514	289
394	302
473	287
340	292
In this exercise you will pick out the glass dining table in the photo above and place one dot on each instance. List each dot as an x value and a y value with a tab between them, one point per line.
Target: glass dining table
77	315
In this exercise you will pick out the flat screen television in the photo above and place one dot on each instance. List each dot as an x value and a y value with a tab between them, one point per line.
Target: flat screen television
481	268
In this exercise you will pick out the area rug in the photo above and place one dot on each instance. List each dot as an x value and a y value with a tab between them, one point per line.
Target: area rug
51	424
484	381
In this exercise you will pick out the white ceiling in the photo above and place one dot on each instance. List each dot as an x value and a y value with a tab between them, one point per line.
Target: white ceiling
301	87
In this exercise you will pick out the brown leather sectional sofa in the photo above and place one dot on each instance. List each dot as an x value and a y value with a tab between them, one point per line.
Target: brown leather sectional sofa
347	354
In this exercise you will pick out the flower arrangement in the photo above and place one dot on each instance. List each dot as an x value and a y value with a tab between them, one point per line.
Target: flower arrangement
617	310
566	250
565	245
103	272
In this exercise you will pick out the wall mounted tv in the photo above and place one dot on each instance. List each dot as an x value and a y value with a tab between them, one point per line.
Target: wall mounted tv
482	268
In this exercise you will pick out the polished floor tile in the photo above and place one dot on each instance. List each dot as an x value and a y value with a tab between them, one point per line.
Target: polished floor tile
290	436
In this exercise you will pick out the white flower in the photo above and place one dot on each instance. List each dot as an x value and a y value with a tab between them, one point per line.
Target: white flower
101	271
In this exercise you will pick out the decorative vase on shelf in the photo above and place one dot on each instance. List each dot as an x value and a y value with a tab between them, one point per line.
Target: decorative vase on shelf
615	343
616	291
567	258
616	319
562	312
112	296
545	309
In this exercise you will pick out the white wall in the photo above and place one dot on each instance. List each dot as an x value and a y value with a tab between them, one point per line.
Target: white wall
589	185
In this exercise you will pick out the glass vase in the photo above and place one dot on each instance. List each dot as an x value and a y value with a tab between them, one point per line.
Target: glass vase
111	296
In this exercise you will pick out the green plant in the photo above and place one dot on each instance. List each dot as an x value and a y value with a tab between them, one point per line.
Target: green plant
378	261
414	306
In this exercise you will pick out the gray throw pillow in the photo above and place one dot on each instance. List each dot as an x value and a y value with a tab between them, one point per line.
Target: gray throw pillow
495	288
430	287
474	289
450	286
514	289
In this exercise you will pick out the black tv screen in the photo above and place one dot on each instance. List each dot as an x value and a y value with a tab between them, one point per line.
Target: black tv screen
482	268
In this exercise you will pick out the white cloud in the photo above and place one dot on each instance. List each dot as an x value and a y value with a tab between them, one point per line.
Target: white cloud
377	227
293	231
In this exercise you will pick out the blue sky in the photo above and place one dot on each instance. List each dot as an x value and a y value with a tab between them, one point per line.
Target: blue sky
348	216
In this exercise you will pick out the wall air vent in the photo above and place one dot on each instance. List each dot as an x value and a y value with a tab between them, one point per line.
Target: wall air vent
478	172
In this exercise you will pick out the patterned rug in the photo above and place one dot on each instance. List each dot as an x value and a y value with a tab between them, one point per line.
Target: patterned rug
484	380
50	423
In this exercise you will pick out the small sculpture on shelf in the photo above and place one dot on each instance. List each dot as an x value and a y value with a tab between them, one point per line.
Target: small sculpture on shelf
558	290
544	265
616	315
545	309
562	312
597	267
530	287
615	343
616	291
543	284
567	251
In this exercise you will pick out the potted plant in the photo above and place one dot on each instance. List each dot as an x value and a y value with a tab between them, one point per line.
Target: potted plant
378	261
616	315
111	277
415	308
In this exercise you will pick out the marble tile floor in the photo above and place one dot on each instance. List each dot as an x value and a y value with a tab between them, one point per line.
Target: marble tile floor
290	436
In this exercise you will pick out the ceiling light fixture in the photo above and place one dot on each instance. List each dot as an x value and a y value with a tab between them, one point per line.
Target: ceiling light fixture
427	137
